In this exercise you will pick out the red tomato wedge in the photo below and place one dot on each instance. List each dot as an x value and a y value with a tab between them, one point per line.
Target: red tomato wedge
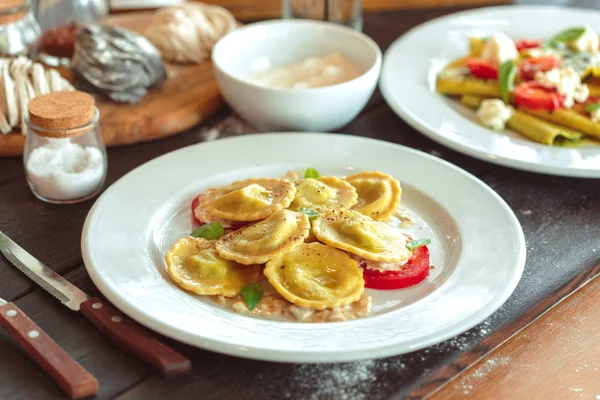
536	97
527	44
530	66
481	68
195	204
414	271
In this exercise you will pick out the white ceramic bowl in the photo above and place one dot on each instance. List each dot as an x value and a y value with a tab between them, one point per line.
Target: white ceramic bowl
261	46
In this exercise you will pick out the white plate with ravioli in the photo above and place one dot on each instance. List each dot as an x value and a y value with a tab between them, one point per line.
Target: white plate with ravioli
412	67
137	247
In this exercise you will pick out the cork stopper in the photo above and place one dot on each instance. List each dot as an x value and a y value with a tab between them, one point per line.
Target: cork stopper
61	114
12	11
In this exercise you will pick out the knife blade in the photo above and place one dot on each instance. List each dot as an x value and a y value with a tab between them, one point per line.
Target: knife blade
70	376
107	319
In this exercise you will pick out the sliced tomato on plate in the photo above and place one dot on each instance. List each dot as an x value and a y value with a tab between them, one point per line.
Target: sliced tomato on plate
481	68
534	96
414	271
530	66
527	44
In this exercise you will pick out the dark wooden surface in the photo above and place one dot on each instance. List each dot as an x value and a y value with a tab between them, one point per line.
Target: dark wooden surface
560	218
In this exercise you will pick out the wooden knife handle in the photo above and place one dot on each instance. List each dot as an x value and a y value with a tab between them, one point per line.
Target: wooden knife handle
68	374
133	338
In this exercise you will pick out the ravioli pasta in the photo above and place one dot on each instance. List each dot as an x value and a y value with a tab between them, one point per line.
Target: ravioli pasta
379	194
358	234
194	265
249	200
265	240
312	238
316	276
326	192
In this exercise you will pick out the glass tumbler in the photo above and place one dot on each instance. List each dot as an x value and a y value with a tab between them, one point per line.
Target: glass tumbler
345	12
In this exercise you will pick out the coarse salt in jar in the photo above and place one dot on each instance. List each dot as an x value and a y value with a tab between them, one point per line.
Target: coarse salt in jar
65	158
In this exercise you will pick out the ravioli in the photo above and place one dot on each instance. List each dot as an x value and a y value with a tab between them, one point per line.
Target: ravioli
317	276
265	240
249	200
358	234
194	265
325	192
379	194
205	217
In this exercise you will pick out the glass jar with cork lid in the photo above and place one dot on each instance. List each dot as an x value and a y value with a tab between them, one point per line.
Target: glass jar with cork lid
65	158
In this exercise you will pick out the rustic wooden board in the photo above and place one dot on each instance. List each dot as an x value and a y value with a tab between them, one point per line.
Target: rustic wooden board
189	97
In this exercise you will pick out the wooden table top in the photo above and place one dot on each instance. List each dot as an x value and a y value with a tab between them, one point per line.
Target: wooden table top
560	218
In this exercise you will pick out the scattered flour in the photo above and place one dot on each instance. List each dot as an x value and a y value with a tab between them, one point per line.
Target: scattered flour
341	381
470	380
348	381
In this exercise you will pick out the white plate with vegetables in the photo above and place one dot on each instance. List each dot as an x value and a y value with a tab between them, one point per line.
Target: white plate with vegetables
303	247
493	85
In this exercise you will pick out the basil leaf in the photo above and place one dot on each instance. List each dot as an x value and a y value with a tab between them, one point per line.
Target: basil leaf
311	173
252	294
312	214
568	35
413	244
592	107
211	231
506	79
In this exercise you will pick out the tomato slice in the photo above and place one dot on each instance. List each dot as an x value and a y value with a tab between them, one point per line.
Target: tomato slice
530	66
527	44
481	68
195	204
537	97
414	271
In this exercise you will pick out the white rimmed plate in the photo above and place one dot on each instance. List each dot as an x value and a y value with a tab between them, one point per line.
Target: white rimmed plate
413	61
478	248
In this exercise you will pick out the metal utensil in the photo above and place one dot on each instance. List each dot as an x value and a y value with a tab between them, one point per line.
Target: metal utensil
120	329
70	376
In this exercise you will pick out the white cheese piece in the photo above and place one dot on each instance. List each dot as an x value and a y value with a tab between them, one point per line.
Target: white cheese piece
493	113
566	82
454	73
588	42
499	48
595	116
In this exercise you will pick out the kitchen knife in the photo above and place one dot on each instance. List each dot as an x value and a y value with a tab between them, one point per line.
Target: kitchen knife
68	374
111	322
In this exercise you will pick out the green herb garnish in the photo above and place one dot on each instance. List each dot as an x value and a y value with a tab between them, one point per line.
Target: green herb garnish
211	231
566	36
413	244
311	173
312	214
252	294
592	107
506	79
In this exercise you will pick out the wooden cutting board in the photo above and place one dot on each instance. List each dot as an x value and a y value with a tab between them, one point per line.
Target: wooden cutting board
187	98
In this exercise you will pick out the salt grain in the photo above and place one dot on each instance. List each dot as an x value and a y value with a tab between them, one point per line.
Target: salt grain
526	212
